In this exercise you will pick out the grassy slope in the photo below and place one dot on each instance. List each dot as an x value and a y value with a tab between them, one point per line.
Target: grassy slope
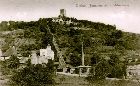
10	38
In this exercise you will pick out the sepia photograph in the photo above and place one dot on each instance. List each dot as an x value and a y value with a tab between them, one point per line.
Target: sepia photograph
69	43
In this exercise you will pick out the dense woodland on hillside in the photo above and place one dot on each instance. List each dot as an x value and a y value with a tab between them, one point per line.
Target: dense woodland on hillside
103	44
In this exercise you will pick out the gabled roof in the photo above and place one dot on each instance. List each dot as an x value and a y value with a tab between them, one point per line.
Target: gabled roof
10	51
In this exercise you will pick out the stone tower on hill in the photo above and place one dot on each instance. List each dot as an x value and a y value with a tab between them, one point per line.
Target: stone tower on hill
62	12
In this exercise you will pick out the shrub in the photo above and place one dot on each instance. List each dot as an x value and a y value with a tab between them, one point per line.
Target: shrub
10	65
99	71
34	75
13	62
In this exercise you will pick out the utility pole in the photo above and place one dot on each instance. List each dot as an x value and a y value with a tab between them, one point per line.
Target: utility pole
82	54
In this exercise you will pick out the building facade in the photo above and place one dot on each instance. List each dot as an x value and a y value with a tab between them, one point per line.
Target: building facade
62	19
45	55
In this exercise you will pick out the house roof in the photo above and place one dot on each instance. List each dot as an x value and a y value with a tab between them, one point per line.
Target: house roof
10	51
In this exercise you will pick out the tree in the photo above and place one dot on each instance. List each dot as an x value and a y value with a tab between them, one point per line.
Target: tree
95	59
35	75
118	67
75	59
13	62
99	71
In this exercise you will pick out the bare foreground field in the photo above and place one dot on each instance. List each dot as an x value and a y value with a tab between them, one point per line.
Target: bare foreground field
63	80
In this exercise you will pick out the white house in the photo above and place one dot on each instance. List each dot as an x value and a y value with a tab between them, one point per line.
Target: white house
48	52
45	55
34	58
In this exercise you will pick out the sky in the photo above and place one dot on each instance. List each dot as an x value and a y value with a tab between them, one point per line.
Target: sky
122	13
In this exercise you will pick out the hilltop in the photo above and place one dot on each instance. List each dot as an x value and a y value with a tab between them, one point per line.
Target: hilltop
98	38
102	43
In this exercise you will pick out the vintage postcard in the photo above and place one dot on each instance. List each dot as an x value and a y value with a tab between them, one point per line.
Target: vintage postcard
69	43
